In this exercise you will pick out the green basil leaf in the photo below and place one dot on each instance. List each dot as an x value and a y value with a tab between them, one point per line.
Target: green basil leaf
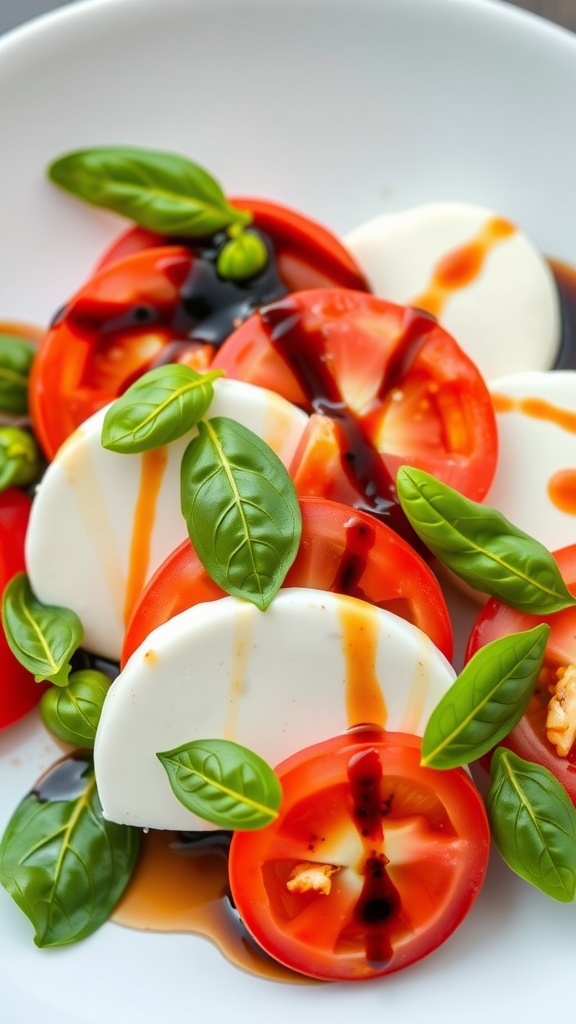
16	358
481	546
62	863
159	407
486	701
162	192
223	783
21	463
42	637
533	823
72	713
242	257
241	510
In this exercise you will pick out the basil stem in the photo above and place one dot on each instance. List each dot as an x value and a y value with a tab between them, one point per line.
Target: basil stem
533	824
42	637
223	783
241	510
21	463
158	408
72	713
16	358
162	192
481	546
61	861
486	701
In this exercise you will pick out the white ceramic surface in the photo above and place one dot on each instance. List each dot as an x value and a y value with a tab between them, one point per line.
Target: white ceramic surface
344	109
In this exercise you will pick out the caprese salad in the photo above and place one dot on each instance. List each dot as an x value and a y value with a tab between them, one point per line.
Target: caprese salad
246	444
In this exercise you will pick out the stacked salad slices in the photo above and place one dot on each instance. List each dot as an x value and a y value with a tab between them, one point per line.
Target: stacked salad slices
251	444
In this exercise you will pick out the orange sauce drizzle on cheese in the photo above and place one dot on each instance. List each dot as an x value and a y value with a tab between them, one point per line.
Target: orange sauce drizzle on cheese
153	467
462	265
365	704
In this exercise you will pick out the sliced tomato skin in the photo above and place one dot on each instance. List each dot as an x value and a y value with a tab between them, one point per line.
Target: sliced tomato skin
394	898
340	550
395	381
18	691
528	739
308	255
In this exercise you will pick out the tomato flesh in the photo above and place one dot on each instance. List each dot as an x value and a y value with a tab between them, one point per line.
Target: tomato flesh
529	738
340	550
396	386
18	691
371	864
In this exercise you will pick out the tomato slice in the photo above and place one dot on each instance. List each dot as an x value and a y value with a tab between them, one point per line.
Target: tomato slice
397	386
18	691
343	551
307	254
530	739
371	864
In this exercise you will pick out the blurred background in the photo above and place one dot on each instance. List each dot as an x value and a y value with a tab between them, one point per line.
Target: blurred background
15	12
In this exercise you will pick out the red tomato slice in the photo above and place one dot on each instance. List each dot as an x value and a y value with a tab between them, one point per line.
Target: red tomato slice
396	384
307	254
529	739
371	864
18	691
340	550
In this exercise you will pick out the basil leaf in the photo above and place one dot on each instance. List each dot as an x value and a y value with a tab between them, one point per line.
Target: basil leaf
16	358
241	510
224	783
159	407
486	701
242	257
533	823
72	713
42	637
481	546
62	863
162	192
21	463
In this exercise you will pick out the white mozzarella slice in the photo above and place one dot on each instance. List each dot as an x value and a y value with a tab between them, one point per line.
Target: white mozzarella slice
311	666
535	481
102	523
479	274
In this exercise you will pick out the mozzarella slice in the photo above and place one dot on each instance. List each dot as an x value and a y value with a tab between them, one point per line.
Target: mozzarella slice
476	272
311	666
102	523
535	481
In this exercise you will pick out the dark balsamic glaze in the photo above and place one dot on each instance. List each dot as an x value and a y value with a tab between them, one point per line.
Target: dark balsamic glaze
360	539
565	278
66	780
82	659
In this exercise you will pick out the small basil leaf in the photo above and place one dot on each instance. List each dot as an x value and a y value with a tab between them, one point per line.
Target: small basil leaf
241	510
242	257
481	546
158	408
72	713
533	823
21	463
62	863
42	637
16	358
223	783
486	701
162	192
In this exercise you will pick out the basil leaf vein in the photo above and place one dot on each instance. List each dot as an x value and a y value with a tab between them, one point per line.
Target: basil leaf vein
162	192
224	783
486	701
241	509
42	637
160	407
533	824
62	862
481	546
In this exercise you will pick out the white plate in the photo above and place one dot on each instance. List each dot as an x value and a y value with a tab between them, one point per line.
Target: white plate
344	109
